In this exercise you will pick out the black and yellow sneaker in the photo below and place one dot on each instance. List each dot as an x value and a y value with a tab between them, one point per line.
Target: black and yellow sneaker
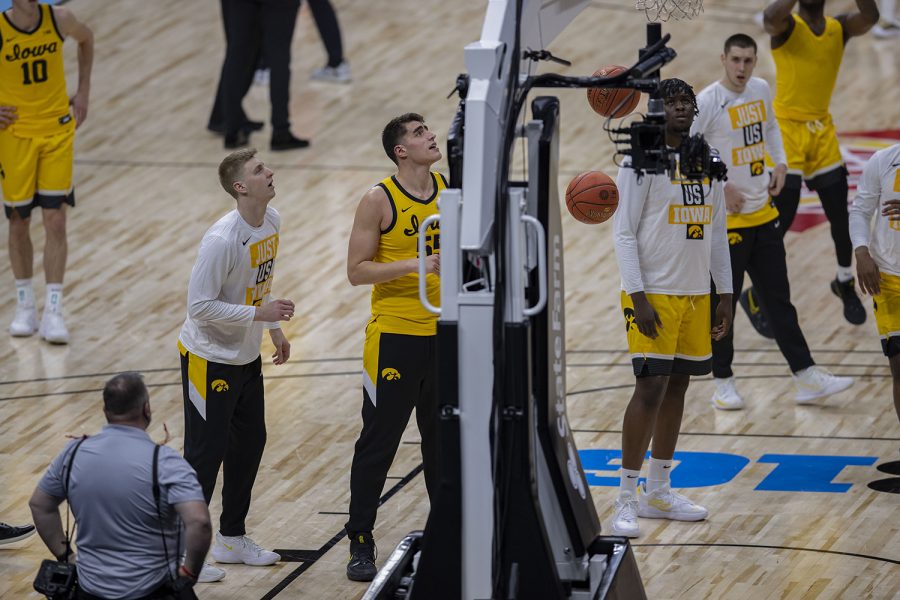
361	566
853	308
755	313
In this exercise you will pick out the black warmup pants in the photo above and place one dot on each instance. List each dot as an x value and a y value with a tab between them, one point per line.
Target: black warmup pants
231	434
759	251
275	19
406	378
329	30
217	115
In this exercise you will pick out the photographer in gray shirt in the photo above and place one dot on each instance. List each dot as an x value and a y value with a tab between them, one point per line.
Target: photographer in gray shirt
128	543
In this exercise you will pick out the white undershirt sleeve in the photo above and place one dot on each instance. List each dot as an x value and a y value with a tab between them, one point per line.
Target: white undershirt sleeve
868	192
720	256
632	195
214	261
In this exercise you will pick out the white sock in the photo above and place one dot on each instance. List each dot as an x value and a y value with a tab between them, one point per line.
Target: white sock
720	382
844	274
53	303
628	482
887	10
659	474
24	293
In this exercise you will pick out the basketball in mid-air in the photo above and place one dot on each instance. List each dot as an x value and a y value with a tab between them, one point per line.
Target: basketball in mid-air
612	102
592	197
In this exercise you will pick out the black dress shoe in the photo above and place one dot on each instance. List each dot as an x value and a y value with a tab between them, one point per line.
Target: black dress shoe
285	140
236	140
248	127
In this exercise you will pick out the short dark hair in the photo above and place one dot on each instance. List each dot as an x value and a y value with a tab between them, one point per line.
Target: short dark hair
673	87
125	394
395	130
741	40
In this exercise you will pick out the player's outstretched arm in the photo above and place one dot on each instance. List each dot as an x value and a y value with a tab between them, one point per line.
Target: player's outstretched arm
859	22
373	215
777	19
71	27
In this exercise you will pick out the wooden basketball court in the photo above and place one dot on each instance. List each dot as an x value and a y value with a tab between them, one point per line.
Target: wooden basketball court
145	174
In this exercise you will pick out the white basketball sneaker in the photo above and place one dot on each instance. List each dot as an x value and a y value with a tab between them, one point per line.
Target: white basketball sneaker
815	382
241	549
210	573
53	328
726	396
666	504
24	323
624	520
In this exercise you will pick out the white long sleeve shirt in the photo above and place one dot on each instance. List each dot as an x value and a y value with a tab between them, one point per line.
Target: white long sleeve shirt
232	276
743	128
670	235
879	182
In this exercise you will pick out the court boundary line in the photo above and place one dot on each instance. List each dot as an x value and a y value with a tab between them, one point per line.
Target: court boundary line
767	547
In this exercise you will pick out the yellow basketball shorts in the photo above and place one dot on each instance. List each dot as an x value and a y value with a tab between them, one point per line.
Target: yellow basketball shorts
887	314
36	171
683	345
811	147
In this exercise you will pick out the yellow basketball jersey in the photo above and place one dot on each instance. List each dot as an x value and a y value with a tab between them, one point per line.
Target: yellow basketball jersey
32	76
395	304
806	69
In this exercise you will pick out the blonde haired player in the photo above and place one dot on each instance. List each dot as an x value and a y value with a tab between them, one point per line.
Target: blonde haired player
669	238
876	242
807	48
37	130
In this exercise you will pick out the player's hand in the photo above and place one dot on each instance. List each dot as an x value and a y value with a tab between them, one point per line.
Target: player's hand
724	317
8	116
79	104
433	264
777	179
645	316
282	346
867	274
274	311
891	209
734	200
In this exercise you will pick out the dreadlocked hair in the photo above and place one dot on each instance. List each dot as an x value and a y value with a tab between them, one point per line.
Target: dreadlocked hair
673	87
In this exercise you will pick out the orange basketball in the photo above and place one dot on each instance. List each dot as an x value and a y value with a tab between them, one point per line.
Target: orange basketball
612	102
592	197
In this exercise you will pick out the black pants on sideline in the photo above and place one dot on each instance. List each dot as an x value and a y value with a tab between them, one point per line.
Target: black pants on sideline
759	251
276	20
217	115
233	433
832	189
415	358
327	24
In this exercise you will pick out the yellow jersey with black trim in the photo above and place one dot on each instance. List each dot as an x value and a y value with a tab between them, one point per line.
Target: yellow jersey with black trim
806	69
32	76
395	304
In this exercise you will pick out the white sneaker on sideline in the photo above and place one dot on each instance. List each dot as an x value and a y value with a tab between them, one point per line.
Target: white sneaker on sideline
53	328
241	549
886	29
338	74
624	520
666	504
726	396
24	323
815	382
209	573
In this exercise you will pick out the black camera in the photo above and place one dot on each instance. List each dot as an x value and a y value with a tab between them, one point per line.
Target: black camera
57	580
698	160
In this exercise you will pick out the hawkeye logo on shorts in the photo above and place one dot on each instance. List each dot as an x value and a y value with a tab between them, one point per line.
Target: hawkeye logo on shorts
219	385
694	214
629	319
734	238
389	374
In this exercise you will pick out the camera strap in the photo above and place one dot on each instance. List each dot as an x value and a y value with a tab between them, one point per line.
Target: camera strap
68	538
156	494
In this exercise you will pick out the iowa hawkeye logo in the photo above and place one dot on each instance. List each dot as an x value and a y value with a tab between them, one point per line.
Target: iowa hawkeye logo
389	374
219	385
629	319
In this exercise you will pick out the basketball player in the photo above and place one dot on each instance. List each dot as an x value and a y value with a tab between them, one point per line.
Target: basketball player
877	248
808	48
399	360
669	238
229	305
736	117
36	149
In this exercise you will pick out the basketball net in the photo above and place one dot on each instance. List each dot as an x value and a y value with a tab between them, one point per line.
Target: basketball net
663	10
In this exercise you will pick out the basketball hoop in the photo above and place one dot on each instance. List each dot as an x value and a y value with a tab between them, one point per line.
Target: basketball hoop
663	10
